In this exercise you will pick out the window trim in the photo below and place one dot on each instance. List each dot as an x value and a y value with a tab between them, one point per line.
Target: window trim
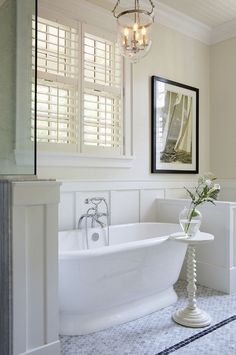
46	157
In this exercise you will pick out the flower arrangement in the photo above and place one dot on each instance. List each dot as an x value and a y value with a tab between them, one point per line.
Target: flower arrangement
206	191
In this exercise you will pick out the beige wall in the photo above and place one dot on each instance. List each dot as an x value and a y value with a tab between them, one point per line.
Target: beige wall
223	113
173	56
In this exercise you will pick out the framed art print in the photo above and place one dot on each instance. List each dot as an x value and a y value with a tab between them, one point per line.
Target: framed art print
175	126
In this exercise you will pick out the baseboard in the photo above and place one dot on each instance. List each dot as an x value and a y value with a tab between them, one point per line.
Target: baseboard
49	349
233	279
212	276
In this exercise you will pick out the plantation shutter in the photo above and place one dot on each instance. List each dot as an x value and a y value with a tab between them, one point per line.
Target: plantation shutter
101	98
58	79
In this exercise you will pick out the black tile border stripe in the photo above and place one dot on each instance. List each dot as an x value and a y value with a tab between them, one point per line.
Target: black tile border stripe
189	340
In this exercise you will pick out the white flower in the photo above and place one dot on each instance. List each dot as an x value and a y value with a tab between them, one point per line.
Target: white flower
208	183
216	186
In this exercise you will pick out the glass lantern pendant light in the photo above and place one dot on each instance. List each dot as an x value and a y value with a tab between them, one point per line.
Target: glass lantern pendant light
134	29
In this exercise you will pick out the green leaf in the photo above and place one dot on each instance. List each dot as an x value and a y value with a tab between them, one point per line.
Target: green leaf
194	214
190	193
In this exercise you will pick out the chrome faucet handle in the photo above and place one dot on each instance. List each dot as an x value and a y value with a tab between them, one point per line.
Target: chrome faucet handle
94	200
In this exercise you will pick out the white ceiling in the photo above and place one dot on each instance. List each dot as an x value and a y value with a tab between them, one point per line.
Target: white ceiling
210	21
210	12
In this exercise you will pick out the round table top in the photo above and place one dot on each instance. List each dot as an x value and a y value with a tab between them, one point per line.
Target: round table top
200	237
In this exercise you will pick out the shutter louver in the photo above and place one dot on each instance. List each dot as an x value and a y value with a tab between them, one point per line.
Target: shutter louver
57	88
102	107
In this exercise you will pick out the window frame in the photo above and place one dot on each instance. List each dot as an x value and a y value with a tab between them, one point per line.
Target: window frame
92	150
49	156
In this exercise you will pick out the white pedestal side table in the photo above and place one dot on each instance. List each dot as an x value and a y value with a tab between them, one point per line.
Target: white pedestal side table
192	316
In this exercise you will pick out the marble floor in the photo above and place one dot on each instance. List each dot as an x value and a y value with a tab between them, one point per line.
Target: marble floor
156	332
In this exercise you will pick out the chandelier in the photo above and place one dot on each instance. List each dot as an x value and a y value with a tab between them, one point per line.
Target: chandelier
134	29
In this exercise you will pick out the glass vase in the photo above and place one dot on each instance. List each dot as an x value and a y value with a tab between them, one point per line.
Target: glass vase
190	221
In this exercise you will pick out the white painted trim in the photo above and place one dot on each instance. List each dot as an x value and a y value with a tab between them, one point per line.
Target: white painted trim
179	201
165	15
25	158
83	161
182	23
178	21
49	349
169	17
99	185
100	19
34	194
227	183
212	276
223	32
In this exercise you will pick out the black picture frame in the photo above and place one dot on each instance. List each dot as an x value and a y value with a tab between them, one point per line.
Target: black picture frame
174	127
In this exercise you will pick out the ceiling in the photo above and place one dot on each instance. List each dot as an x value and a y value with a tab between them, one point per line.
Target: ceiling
210	12
209	21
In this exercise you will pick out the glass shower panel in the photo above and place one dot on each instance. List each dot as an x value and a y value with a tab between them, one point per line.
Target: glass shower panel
17	87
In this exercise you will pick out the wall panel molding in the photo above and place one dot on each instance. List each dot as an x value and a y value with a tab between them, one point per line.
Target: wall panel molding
35	267
129	201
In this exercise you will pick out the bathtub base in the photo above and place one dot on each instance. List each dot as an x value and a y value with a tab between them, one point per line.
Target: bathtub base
77	324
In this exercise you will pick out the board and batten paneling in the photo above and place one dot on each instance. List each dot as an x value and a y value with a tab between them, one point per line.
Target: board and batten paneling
128	201
35	267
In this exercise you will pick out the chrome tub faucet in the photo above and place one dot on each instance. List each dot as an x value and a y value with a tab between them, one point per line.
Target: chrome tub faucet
95	216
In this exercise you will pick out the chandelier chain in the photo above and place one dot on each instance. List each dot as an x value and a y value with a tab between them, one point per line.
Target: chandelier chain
118	3
114	10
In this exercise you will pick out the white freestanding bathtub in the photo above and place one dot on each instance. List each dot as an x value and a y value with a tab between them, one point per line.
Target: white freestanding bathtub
109	285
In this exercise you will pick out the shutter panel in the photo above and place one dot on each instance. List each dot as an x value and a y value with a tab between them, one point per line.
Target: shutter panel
102	104
57	88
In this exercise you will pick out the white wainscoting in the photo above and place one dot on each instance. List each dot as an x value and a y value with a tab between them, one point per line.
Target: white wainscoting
137	201
216	261
129	201
35	268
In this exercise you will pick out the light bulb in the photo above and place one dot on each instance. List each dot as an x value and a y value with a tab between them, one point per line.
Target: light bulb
135	26
126	32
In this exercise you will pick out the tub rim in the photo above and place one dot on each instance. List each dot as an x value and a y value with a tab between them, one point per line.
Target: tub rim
117	248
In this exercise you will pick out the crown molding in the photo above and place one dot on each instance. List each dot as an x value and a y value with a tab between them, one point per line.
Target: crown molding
176	20
223	32
182	23
164	15
169	17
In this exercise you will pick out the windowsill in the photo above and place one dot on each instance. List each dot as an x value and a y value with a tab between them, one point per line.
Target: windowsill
54	159
59	159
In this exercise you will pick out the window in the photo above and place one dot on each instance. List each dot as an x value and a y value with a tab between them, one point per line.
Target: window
57	89
79	91
102	113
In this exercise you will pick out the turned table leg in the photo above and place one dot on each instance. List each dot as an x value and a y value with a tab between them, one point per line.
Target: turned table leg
192	316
